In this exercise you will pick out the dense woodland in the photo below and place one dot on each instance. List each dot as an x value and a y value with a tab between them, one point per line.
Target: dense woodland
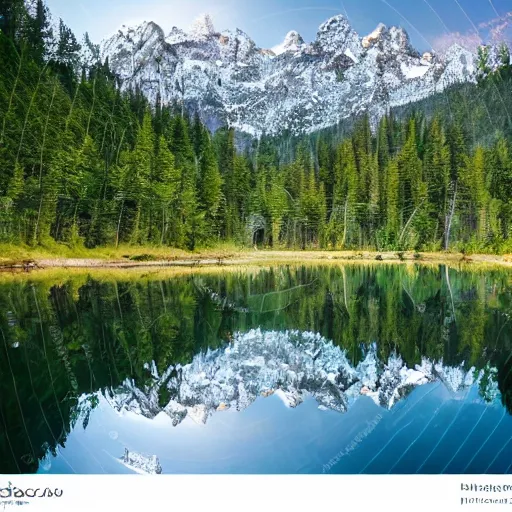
84	164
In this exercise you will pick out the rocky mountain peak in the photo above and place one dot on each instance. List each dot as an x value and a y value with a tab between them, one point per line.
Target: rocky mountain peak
293	37
374	37
145	30
202	27
229	80
399	38
292	43
337	24
392	40
336	33
338	44
428	57
176	35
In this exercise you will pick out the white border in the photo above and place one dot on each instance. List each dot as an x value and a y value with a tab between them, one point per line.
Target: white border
436	493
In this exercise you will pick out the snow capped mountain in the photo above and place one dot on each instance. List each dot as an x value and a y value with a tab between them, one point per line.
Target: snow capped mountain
292	43
141	464
202	27
298	86
336	41
290	365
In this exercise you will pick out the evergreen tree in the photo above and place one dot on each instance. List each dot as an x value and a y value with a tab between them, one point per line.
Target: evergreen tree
504	55
474	196
483	62
225	141
277	204
210	184
383	155
436	164
138	181
82	162
392	210
343	215
66	57
189	225
167	185
413	190
13	14
39	33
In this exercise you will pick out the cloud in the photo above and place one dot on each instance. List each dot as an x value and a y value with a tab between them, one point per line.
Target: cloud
493	31
499	29
471	41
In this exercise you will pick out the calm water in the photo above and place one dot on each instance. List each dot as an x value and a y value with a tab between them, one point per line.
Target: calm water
352	369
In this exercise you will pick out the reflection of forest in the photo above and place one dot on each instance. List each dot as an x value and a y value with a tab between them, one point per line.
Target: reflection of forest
61	341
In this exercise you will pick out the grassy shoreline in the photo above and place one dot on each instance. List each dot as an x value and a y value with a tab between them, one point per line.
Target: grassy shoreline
15	258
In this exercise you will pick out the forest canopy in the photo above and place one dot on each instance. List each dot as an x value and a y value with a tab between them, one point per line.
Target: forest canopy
84	164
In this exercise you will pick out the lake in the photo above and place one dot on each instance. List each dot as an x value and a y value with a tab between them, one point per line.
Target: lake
339	369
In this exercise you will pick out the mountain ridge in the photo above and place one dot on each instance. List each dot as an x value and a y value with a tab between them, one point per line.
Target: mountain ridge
292	365
298	86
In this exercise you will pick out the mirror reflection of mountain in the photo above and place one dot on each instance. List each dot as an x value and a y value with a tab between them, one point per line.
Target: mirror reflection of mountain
291	365
195	344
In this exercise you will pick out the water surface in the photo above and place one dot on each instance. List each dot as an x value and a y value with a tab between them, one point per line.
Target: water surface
355	369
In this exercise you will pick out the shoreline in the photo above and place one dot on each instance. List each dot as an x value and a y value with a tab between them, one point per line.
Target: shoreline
253	258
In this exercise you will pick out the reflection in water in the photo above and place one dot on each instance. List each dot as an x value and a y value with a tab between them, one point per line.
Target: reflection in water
291	365
195	345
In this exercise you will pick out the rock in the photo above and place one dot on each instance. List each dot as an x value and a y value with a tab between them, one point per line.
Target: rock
176	412
428	57
292	43
291	397
141	464
375	36
298	86
198	413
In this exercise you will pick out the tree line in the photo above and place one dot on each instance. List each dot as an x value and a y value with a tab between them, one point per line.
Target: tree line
84	164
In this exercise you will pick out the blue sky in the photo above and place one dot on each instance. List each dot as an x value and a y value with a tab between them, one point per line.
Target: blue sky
267	21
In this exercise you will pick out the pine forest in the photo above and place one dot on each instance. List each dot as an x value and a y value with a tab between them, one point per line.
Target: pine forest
86	165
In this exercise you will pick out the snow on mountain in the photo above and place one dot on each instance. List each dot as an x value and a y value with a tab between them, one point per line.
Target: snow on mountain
292	365
202	27
141	464
292	43
335	39
374	36
176	36
298	86
413	71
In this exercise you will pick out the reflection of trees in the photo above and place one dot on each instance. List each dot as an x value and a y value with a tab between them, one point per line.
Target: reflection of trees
58	342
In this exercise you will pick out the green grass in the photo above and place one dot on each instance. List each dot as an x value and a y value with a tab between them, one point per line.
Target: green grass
79	276
11	253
